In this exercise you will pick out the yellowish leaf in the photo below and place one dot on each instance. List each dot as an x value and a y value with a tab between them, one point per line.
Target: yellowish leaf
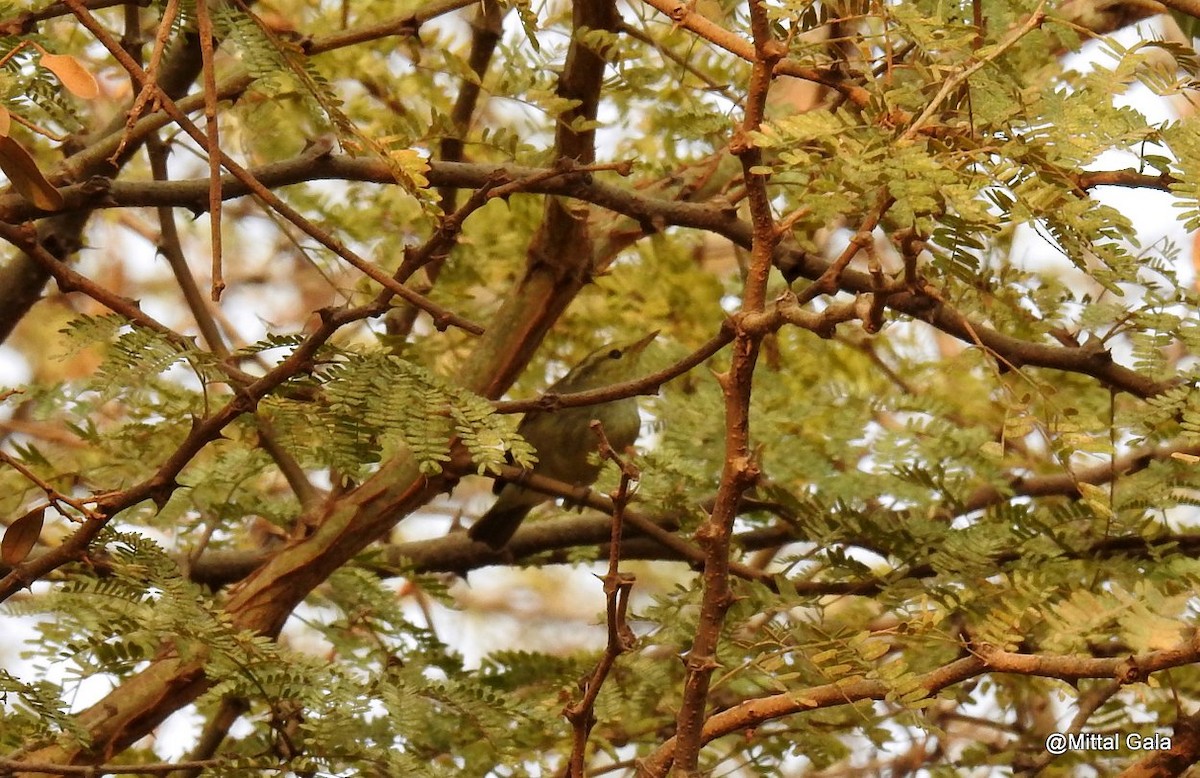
74	76
21	536
412	165
993	449
25	176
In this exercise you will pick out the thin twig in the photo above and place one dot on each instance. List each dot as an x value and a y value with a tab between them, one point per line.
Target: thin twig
951	84
212	135
52	494
150	768
646	385
171	247
617	587
141	89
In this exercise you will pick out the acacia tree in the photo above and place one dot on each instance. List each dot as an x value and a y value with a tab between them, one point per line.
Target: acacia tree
908	503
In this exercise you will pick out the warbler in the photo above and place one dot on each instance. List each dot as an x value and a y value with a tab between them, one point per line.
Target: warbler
563	440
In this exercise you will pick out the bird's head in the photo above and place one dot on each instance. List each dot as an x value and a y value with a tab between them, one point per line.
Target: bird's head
613	363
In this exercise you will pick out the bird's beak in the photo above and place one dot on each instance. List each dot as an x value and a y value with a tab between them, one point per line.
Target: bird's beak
638	345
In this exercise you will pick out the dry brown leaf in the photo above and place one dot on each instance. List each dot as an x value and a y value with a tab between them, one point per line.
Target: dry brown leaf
74	76
25	176
21	536
5	121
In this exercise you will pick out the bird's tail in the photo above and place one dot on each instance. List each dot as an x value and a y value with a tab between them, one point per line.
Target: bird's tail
497	526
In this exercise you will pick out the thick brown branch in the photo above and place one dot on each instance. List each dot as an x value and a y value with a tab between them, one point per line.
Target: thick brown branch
987	659
740	469
793	263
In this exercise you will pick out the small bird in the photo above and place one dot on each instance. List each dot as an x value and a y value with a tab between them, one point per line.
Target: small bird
563	440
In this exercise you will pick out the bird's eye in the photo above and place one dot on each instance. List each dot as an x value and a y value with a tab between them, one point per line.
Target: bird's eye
614	354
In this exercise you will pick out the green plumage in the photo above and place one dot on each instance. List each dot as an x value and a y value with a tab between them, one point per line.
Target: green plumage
563	440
